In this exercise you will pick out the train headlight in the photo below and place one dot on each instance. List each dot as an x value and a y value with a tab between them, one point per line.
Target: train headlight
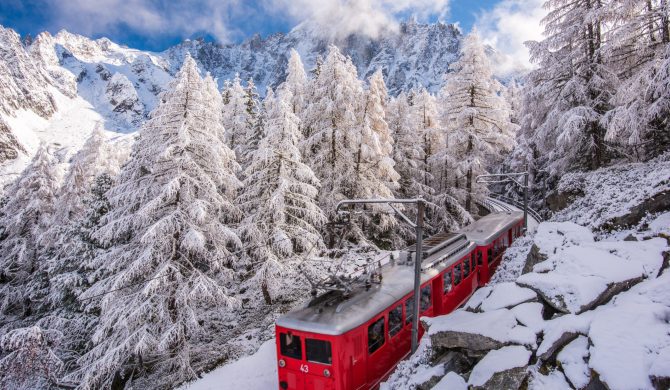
282	363
326	373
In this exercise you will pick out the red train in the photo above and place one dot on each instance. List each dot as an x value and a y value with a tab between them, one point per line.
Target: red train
354	342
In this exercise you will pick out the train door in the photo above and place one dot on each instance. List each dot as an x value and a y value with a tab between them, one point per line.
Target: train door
378	360
358	361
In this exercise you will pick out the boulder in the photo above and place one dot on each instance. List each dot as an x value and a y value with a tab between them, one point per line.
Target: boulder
451	381
505	368
473	334
573	361
560	332
425	379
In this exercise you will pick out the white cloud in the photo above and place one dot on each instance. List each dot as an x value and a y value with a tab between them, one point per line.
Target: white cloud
148	17
507	26
338	18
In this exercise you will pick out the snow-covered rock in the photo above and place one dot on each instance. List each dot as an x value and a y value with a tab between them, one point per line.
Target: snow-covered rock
580	274
573	360
473	332
451	381
504	368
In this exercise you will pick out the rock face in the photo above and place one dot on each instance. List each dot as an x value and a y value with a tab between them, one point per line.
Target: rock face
23	84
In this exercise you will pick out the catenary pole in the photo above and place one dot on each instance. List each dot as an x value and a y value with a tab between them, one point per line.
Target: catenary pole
418	258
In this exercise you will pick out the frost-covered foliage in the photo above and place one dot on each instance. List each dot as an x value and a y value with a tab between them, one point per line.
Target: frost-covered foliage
30	362
476	117
279	201
254	123
234	114
638	49
170	258
296	83
24	218
332	120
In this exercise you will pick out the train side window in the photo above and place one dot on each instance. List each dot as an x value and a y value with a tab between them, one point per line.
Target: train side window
489	254
457	274
480	258
395	320
318	351
409	310
466	268
425	298
290	345
446	278
472	262
376	335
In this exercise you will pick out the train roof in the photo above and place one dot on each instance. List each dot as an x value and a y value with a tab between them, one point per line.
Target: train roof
486	229
332	314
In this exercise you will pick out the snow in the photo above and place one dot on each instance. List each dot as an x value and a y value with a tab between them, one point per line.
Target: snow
630	337
573	362
507	329
660	224
530	315
505	295
451	381
557	327
578	270
424	374
499	360
255	372
554	381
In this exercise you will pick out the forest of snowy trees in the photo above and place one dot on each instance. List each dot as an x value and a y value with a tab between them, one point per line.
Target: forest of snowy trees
146	267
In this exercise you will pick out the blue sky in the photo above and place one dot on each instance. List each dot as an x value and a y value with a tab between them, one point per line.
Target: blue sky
158	24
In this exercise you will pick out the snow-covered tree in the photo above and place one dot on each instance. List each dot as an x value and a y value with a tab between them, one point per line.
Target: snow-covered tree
476	117
279	201
235	114
638	49
170	259
296	83
376	177
333	118
407	152
569	93
30	361
26	215
254	123
512	95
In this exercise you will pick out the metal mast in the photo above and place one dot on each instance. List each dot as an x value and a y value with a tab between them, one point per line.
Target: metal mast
418	256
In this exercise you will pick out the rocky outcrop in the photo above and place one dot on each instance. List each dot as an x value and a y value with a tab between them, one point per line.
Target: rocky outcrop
654	204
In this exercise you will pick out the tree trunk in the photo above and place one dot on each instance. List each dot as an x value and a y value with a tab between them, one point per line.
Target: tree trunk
468	198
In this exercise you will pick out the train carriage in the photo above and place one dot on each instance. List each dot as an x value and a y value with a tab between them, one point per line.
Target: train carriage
354	341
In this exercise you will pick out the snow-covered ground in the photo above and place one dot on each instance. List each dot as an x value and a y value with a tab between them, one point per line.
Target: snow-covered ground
254	372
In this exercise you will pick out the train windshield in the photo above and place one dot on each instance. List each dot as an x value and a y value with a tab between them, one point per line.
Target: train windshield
318	351
290	346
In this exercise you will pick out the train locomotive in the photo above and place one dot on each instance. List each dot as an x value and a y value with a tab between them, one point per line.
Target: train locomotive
354	341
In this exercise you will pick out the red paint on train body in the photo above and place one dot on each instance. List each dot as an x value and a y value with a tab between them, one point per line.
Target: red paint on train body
374	332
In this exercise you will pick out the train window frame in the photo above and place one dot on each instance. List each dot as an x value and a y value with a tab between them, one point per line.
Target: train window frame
395	329
372	348
429	288
283	345
447	273
329	350
409	310
480	258
473	262
458	272
466	267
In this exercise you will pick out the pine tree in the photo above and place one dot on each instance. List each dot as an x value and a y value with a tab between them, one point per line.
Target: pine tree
296	83
376	177
568	95
170	257
477	118
279	201
254	123
638	48
333	117
234	115
30	362
25	217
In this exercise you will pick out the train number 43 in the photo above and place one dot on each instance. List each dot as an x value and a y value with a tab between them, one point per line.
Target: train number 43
304	368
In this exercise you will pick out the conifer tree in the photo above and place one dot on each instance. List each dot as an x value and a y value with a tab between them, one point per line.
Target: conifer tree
26	215
279	201
234	115
569	93
296	83
170	258
254	123
477	118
